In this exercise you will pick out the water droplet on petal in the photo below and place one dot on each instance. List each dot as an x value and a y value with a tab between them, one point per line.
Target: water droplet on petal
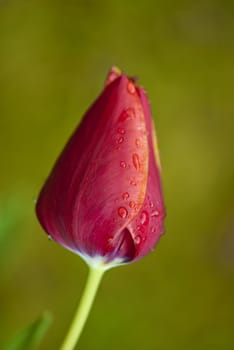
120	140
131	204
137	207
133	183
155	213
49	238
138	142
144	218
138	239
136	161
140	228
121	131
151	204
131	87
123	164
127	114
122	212
108	237
125	195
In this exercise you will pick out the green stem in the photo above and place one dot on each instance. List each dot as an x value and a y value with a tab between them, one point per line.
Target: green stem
93	281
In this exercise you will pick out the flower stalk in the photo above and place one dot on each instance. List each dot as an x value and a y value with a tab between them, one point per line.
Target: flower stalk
81	315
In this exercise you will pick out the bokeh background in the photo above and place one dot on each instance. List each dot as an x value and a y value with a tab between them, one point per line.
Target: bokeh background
54	56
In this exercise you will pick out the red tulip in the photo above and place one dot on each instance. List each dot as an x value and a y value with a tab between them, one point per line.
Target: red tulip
103	199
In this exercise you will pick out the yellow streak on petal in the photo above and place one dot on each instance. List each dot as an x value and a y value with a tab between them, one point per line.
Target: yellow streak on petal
143	169
145	161
155	145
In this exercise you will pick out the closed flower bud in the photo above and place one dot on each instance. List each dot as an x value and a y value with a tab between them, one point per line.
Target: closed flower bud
103	199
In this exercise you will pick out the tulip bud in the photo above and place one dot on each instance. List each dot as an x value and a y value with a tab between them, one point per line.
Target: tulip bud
103	199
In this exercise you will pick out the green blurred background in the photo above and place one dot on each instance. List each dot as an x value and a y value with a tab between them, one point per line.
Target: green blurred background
54	56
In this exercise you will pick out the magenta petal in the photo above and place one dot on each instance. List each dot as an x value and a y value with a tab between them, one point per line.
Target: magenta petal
103	198
85	203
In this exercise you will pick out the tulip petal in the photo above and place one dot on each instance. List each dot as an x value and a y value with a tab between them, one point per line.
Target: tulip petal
98	184
147	226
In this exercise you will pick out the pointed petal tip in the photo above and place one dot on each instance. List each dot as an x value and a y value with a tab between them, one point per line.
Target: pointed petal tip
116	69
113	74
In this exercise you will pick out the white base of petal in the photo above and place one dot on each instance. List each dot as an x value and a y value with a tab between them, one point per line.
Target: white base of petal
99	262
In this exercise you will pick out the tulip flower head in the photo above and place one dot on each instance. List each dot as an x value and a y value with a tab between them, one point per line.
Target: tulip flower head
103	199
